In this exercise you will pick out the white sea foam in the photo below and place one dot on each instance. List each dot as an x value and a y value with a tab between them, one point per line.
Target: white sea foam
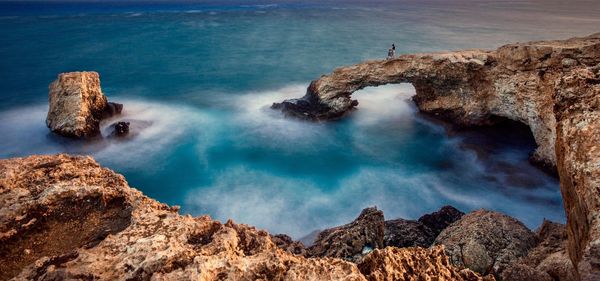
26	133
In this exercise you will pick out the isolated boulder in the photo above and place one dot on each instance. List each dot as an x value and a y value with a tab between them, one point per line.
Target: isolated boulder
120	129
353	240
486	241
77	104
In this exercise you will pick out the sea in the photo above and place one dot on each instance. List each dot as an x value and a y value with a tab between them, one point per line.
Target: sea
200	76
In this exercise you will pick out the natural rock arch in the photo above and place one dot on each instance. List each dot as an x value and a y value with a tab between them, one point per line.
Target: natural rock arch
551	86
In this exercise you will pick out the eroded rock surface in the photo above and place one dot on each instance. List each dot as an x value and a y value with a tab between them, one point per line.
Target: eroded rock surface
351	241
577	111
548	260
65	217
408	233
77	104
413	264
551	86
486	242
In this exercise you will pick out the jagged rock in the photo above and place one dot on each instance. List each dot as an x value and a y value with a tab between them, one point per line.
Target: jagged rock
486	242
439	220
120	129
577	111
414	264
551	86
548	258
77	105
353	240
286	243
65	217
406	233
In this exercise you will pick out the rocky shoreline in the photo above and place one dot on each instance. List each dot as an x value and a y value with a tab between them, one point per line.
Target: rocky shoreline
66	217
553	87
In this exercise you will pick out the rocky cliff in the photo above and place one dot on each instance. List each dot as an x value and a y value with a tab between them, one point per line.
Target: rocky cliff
65	217
551	86
77	105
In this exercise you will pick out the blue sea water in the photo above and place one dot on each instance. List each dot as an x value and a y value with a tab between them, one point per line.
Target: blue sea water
204	73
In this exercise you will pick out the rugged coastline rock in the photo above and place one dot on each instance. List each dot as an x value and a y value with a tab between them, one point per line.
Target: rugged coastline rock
66	217
548	260
353	240
577	111
408	233
551	86
77	105
410	264
486	242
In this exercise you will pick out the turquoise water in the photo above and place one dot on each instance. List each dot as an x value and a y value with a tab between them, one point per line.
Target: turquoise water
203	74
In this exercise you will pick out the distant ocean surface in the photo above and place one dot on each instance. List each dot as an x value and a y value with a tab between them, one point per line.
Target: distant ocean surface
204	74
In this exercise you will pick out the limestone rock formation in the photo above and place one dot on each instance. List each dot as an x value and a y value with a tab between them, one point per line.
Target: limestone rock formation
353	240
77	104
549	258
577	110
413	264
486	242
551	86
64	217
286	243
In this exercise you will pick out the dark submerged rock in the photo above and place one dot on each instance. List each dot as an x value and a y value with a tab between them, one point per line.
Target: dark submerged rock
120	129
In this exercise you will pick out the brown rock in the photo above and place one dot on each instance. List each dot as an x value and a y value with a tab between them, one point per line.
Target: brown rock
77	104
286	243
351	240
521	272
65	217
577	111
486	242
395	264
550	255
